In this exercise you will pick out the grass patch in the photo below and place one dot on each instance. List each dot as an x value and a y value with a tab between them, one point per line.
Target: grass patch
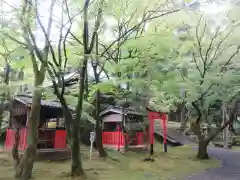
179	161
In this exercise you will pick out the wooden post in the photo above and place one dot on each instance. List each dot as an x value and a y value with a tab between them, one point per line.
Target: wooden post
28	114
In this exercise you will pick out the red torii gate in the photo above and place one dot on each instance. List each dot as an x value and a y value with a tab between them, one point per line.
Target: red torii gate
152	116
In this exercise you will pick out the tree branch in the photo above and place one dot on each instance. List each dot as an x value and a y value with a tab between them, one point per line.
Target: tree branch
15	40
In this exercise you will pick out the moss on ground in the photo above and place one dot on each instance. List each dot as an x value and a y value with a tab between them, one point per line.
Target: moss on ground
179	161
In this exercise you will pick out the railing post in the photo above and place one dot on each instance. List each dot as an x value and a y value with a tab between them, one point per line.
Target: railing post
119	137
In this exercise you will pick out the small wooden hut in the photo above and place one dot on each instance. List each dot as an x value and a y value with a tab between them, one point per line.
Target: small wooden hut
52	135
116	121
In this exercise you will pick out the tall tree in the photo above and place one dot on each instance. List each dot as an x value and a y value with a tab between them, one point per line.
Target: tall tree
88	48
98	131
39	60
56	69
213	58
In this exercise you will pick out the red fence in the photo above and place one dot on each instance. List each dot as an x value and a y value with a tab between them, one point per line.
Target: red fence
9	142
140	138
117	138
60	139
113	138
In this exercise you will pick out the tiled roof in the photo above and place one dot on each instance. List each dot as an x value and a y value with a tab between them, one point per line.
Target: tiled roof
120	110
68	79
26	99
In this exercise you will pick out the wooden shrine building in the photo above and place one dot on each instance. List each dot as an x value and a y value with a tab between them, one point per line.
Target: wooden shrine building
52	136
116	120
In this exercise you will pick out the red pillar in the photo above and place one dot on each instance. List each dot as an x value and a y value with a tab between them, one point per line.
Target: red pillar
151	131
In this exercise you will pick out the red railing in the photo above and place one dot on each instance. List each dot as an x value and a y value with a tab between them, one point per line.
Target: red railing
9	142
140	138
117	138
59	139
113	138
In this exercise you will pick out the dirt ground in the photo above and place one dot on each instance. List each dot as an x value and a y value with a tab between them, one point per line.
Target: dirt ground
178	162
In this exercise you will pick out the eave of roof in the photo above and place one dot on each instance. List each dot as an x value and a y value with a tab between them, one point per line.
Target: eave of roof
120	110
26	99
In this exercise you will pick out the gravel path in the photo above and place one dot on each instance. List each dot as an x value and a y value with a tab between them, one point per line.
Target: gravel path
229	170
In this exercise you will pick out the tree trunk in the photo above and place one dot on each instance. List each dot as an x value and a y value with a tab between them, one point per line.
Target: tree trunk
183	121
74	139
6	95
86	86
125	135
202	150
73	131
101	151
24	169
73	128
98	130
77	169
66	113
202	142
226	133
15	153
